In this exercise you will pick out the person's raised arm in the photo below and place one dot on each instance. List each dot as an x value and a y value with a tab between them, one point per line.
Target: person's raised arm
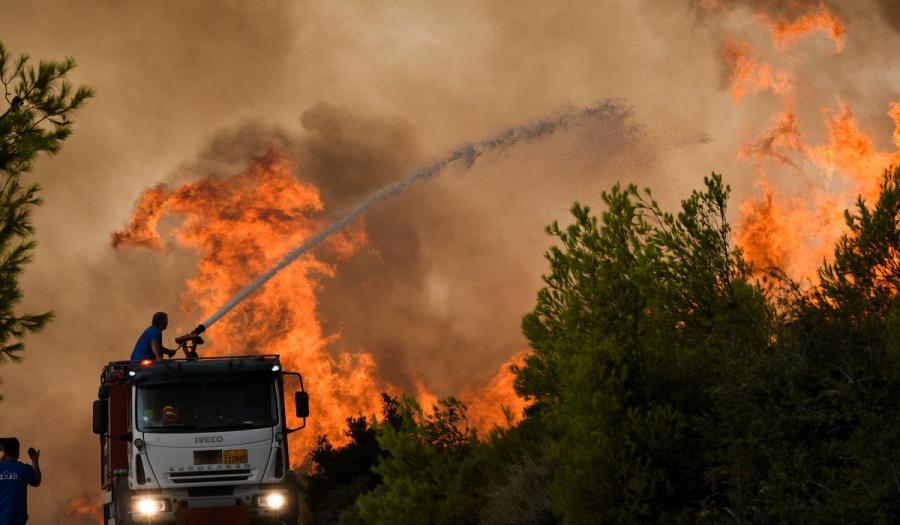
35	455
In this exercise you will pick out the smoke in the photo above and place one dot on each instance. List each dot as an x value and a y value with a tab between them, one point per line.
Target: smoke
466	155
891	12
361	96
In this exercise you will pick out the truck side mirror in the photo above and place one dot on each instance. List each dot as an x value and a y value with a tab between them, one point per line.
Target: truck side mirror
301	402
101	416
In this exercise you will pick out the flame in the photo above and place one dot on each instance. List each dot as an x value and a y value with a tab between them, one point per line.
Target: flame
142	230
778	141
818	18
851	152
487	404
240	226
894	113
84	509
798	218
791	233
748	75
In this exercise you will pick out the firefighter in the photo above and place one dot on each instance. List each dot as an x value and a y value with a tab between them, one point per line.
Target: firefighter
149	344
15	477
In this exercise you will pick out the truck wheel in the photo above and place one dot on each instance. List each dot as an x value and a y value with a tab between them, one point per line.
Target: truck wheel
122	501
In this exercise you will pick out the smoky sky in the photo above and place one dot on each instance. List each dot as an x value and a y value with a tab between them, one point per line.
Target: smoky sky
362	95
891	12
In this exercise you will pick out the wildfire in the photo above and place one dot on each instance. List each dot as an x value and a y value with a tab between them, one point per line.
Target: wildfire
240	226
488	403
748	75
795	229
851	152
84	510
790	20
817	17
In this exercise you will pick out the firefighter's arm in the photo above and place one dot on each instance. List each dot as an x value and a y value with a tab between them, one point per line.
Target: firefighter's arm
159	350
35	455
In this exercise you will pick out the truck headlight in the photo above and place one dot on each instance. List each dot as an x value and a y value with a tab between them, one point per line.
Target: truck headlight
275	500
148	507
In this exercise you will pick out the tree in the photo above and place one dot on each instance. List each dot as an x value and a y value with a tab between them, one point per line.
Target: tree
430	471
811	427
42	105
341	474
640	313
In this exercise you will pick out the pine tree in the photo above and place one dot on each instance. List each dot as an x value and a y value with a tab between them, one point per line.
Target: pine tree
41	106
640	313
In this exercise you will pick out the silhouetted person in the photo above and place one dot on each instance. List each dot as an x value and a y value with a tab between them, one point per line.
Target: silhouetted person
149	344
15	477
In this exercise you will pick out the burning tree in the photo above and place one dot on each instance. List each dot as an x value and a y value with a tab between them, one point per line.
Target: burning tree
42	105
673	385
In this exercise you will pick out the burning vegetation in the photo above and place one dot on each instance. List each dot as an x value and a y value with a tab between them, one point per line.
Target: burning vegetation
239	227
794	226
666	379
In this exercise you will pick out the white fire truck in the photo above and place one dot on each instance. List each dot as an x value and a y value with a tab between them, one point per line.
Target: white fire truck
197	441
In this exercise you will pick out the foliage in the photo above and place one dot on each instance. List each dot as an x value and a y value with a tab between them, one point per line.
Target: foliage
341	474
42	104
671	382
430	468
640	311
520	496
812	427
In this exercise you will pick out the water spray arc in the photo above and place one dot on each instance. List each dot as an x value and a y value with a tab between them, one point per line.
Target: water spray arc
467	155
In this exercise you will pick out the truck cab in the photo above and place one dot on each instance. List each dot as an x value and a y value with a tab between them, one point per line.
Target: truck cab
193	441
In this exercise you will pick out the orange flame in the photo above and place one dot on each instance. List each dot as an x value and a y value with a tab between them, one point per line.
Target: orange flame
894	112
779	140
790	233
819	18
793	19
240	227
83	510
852	153
748	75
796	228
488	403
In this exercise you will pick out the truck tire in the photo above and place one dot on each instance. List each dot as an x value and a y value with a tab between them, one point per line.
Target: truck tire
122	501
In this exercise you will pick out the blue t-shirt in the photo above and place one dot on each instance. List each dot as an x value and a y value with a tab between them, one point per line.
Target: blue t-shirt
15	477
143	349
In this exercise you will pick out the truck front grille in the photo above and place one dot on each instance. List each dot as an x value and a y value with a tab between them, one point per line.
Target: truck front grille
208	476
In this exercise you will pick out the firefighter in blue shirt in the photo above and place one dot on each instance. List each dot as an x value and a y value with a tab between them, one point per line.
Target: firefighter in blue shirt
15	477
149	344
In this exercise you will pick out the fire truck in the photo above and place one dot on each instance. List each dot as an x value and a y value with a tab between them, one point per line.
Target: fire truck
197	440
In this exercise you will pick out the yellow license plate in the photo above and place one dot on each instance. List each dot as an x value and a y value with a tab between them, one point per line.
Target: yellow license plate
232	457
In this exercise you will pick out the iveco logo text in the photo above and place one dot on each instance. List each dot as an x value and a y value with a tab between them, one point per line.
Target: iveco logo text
208	439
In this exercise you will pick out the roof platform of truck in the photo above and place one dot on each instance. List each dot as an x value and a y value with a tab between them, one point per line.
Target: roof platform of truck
175	369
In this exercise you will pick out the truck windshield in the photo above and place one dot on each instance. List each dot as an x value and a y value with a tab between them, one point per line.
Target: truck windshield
206	405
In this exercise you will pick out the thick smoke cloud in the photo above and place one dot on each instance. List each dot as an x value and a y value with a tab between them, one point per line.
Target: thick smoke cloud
363	95
428	293
891	12
445	269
